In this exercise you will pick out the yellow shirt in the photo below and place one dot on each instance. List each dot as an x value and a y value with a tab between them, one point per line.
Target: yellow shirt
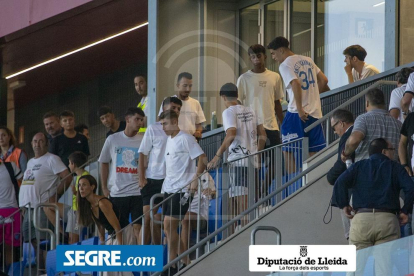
143	106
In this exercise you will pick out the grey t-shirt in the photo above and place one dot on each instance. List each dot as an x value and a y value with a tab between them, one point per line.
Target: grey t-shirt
374	124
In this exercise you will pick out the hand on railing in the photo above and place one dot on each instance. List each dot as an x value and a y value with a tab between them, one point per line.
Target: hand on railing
213	163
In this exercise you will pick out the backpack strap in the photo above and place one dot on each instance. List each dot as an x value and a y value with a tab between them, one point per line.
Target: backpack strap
13	179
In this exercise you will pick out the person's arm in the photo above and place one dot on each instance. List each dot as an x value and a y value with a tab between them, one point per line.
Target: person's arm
279	111
230	135
348	71
395	113
101	232
104	178
65	181
406	101
198	132
107	209
23	161
86	146
262	137
201	166
352	144
335	172
402	153
297	94
322	82
340	192
142	166
407	185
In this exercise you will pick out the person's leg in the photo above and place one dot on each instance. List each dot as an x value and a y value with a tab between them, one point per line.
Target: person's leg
170	230
241	206
292	129
156	228
136	210
273	139
147	226
185	235
316	137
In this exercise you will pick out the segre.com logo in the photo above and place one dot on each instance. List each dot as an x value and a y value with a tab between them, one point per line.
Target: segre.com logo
109	258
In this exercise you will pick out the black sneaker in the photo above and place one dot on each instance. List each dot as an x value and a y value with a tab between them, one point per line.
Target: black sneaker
170	272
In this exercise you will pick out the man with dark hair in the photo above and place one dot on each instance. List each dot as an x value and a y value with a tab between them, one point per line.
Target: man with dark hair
83	129
262	90
70	141
245	135
408	95
304	82
376	123
108	119
356	69
181	154
192	115
140	83
52	125
151	169
120	155
397	94
375	184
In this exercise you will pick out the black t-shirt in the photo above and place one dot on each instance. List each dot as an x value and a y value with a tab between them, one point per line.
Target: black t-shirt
64	146
408	131
122	126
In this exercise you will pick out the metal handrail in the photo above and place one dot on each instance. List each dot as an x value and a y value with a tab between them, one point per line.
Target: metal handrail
247	211
265	228
348	102
54	240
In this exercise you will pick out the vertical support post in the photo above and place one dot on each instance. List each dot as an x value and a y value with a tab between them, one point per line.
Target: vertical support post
252	184
279	172
327	129
391	57
314	14
152	60
225	196
3	98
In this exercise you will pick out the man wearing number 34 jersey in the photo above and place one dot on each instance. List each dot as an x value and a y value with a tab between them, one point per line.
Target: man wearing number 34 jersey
304	81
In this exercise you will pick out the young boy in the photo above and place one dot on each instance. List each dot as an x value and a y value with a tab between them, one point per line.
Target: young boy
70	141
151	169
245	135
76	162
181	153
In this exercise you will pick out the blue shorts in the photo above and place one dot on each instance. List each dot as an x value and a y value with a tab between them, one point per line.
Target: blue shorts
293	129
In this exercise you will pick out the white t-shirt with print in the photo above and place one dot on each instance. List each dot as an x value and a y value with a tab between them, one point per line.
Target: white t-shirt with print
123	152
7	191
180	160
153	145
305	70
367	71
260	91
191	114
41	179
395	101
245	121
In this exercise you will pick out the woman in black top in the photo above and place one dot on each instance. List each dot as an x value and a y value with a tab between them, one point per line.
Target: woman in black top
99	209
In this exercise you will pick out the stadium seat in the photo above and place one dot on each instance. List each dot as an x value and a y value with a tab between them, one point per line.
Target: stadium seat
14	269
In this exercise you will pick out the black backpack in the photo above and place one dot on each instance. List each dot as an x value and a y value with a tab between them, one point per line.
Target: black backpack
13	179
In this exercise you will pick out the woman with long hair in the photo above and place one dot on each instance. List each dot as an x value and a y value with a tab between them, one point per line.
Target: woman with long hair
9	150
93	208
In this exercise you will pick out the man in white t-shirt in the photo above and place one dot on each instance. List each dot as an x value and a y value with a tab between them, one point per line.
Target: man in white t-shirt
140	83
45	180
304	82
397	94
120	155
191	115
245	135
181	154
356	69
152	169
408	95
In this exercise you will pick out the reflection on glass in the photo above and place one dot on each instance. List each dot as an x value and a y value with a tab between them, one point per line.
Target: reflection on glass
249	30
274	26
342	23
301	28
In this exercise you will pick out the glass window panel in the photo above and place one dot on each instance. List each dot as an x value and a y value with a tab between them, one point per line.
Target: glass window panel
274	27
301	28
341	23
249	31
